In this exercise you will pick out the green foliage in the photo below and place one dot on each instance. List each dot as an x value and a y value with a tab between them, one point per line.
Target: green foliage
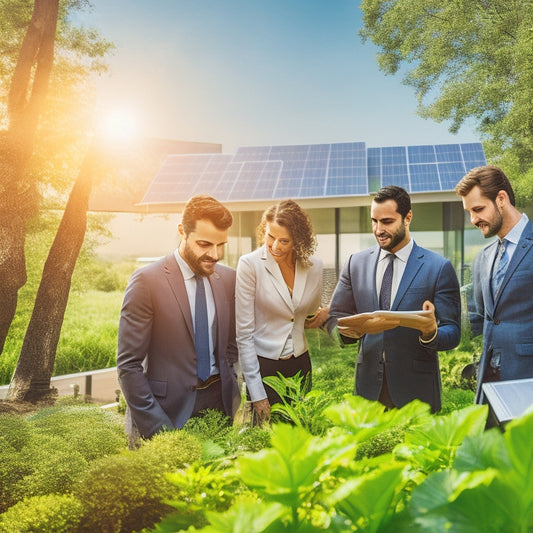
227	439
127	492
196	489
472	60
299	405
382	443
431	445
489	489
92	431
53	513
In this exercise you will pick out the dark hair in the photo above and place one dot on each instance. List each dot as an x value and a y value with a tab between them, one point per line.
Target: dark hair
292	217
399	195
203	207
490	179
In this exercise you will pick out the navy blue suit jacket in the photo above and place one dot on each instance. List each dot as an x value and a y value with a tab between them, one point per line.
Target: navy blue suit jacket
505	321
156	358
412	368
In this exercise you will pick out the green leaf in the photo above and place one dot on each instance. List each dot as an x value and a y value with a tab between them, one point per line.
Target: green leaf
363	418
479	452
432	446
518	440
456	502
292	467
368	500
245	517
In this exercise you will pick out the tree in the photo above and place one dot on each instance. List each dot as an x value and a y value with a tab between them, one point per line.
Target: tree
466	59
27	103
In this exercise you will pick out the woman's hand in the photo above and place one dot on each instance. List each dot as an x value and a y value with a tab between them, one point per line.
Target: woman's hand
316	320
262	409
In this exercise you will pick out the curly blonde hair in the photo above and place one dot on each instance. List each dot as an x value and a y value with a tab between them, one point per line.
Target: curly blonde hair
291	216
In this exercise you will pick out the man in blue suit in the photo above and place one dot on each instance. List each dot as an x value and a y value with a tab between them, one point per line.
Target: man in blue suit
502	277
398	358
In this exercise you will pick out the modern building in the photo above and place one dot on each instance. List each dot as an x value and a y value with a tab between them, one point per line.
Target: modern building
334	183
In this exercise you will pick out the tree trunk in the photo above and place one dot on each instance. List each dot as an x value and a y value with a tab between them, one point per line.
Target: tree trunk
31	381
27	93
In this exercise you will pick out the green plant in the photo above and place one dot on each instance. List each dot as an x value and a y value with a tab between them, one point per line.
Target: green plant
197	489
128	492
53	466
52	513
90	430
489	487
299	405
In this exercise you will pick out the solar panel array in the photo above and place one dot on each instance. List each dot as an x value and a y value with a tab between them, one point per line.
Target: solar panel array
312	171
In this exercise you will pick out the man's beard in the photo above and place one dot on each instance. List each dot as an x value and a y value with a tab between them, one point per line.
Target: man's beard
396	238
496	225
195	262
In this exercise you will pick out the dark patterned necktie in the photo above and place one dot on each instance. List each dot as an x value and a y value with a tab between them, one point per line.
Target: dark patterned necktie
386	285
201	331
500	266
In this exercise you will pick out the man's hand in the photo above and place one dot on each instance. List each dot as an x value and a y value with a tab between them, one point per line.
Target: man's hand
262	409
358	325
428	323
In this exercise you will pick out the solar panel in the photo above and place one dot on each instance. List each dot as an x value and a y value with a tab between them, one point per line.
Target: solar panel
312	171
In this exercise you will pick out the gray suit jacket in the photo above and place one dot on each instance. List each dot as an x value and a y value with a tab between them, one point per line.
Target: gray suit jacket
412	367
505	321
156	358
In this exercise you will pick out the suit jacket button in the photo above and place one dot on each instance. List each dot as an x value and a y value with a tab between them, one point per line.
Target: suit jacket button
496	321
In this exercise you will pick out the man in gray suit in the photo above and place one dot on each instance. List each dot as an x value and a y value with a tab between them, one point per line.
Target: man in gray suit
172	362
398	357
502	277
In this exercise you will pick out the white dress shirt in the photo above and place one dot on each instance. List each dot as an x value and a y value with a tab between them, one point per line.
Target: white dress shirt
190	286
399	268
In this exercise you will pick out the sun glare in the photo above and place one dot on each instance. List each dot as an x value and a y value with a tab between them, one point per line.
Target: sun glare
119	125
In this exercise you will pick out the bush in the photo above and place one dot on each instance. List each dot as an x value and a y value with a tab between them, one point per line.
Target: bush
92	431
126	492
53	513
54	467
14	431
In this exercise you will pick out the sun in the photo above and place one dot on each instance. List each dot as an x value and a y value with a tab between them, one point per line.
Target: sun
119	125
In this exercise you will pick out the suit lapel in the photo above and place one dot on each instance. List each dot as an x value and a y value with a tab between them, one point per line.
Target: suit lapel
522	248
222	314
300	280
177	284
277	277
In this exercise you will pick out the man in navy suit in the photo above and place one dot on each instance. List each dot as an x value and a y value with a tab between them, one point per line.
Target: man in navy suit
398	361
502	277
161	370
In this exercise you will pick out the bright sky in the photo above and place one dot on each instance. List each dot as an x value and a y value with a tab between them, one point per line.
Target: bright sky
255	72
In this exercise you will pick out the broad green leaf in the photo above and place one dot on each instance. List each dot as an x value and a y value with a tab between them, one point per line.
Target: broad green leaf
479	452
293	465
518	440
245	517
432	446
472	502
363	418
368	500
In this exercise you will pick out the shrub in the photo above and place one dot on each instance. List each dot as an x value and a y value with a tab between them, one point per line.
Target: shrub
13	467
92	431
53	513
381	443
14	431
127	492
54	467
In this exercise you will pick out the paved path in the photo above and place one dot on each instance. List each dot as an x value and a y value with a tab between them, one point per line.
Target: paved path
101	385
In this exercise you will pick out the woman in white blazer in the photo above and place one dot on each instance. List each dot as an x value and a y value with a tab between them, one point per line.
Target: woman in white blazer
278	286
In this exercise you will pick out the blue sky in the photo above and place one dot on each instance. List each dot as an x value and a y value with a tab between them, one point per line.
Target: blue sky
255	72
